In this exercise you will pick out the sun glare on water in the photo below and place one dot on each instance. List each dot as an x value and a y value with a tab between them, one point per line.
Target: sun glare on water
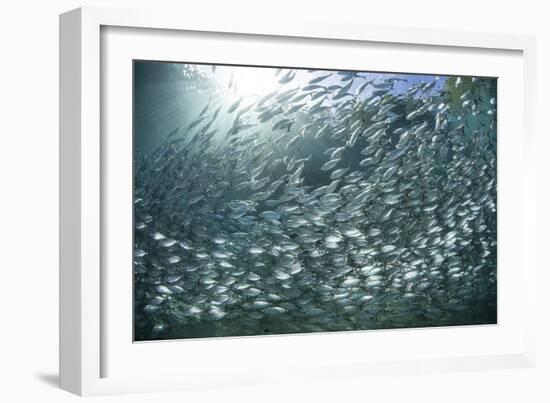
246	81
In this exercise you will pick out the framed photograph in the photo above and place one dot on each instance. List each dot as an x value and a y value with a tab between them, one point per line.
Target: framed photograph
238	198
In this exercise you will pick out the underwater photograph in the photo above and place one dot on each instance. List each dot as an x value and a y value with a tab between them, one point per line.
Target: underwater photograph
281	200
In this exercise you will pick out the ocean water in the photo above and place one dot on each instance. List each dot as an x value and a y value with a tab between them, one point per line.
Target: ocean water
291	200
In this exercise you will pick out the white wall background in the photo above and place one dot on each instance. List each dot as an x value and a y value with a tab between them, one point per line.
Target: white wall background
29	201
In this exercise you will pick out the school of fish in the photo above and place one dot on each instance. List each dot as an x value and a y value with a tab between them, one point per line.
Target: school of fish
342	201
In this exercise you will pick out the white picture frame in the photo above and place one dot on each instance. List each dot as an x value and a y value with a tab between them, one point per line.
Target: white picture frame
86	345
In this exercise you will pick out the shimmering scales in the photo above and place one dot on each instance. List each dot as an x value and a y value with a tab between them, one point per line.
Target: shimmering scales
286	200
